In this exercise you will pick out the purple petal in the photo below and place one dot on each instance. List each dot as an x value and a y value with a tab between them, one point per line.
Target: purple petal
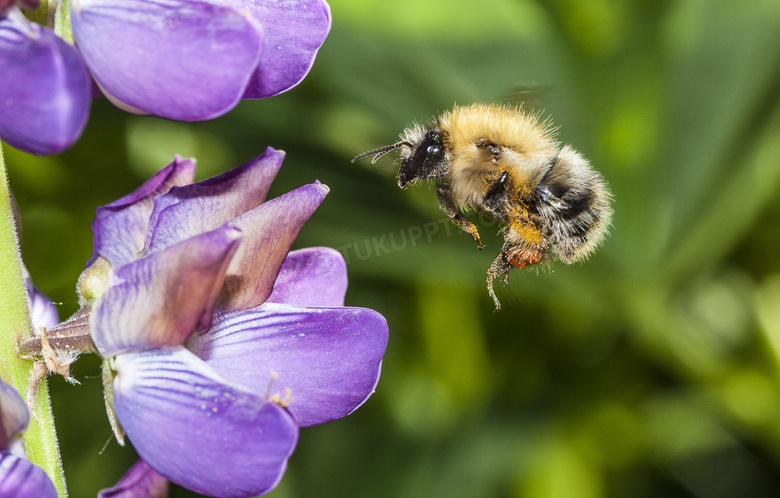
316	276
199	430
120	227
45	94
22	479
194	209
328	358
294	31
269	231
141	481
161	299
43	313
14	416
180	59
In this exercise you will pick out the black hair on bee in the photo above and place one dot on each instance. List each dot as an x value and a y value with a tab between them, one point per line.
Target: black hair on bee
504	163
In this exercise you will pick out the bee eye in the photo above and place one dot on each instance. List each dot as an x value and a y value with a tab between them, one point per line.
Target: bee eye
425	160
434	151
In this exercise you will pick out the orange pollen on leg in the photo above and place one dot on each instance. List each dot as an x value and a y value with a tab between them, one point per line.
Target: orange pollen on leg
520	224
523	259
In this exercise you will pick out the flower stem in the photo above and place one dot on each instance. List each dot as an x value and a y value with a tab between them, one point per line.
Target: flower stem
39	15
62	26
40	438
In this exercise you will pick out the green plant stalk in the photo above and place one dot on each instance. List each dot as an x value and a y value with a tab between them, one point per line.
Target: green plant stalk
62	27
40	439
39	15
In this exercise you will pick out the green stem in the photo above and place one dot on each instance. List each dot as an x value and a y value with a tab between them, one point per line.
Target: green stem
62	27
39	15
40	439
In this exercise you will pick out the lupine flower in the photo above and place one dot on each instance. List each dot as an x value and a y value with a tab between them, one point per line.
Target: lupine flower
45	90
220	342
18	476
187	60
140	481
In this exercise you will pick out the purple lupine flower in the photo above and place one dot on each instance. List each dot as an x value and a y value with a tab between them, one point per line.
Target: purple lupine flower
19	477
187	60
235	49
221	343
45	90
140	481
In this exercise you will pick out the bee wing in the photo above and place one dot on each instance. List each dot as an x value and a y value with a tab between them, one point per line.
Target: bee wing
527	96
547	196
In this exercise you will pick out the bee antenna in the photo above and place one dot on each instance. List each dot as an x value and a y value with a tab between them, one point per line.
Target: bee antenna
378	153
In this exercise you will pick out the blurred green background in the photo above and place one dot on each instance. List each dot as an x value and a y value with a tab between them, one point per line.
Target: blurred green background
651	370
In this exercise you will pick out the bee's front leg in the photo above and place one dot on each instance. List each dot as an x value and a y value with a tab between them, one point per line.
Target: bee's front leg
448	206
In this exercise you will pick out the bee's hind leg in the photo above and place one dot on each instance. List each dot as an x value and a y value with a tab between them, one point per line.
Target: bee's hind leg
499	268
448	206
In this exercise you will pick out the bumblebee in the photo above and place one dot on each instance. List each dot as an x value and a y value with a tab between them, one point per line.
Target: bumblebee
503	162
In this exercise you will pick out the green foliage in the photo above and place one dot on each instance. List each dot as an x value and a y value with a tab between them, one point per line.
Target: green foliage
650	370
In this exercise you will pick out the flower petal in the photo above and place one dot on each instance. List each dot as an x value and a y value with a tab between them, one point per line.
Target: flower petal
328	358
161	299
45	94
43	313
194	209
120	227
180	59
316	276
22	479
199	430
14	416
269	231
294	31
141	481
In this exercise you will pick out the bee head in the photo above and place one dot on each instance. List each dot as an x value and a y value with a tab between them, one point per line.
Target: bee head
423	155
422	158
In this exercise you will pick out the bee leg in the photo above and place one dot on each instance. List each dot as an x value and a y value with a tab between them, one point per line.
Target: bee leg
448	206
499	268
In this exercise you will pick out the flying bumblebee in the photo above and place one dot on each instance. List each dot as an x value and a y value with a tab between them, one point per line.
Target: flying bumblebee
505	163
